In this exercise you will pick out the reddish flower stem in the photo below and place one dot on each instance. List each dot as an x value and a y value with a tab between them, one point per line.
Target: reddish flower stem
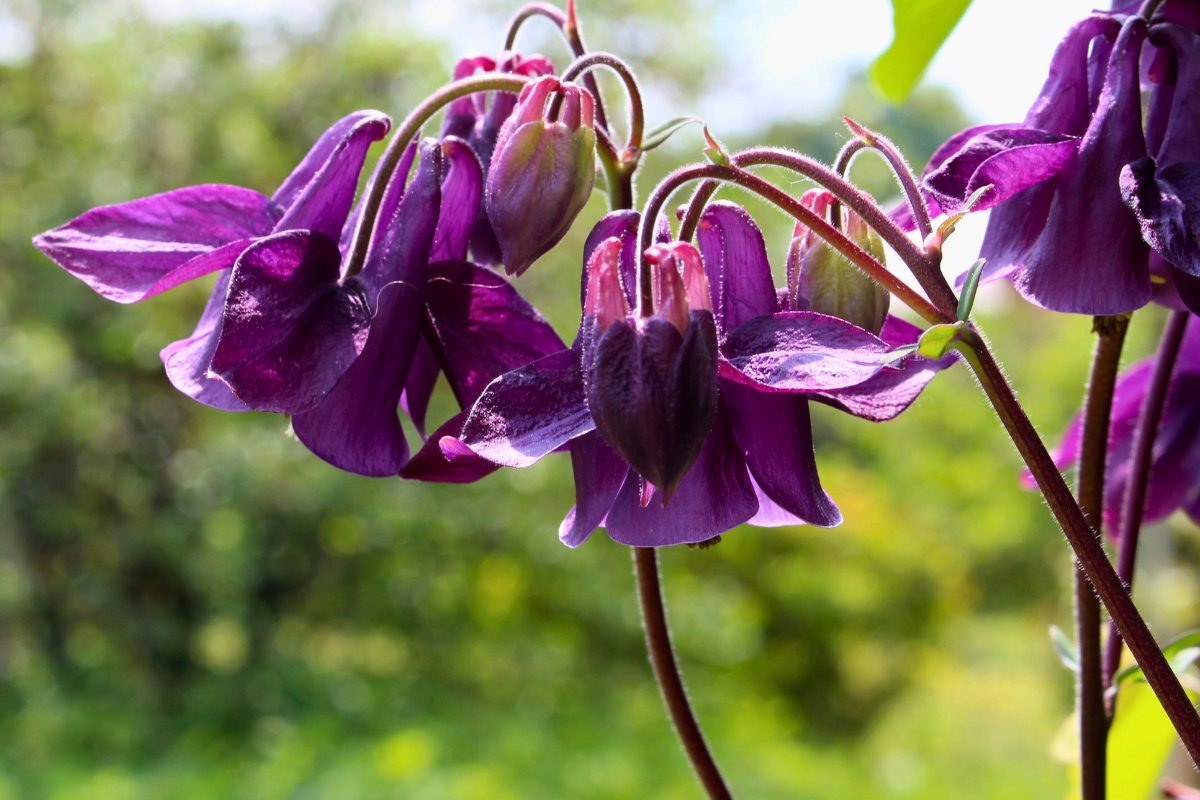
666	670
1093	456
900	169
1087	548
1134	505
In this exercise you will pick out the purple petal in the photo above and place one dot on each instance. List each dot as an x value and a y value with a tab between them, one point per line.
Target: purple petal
770	514
291	330
1091	259
393	193
324	201
1167	205
1188	288
599	473
1063	105
320	153
187	360
774	433
715	496
422	378
622	224
529	412
735	259
461	189
801	351
887	394
135	250
1009	159
432	465
482	327
1181	139
1012	231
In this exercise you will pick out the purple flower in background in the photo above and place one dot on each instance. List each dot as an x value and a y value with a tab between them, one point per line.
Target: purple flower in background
135	250
756	464
1175	469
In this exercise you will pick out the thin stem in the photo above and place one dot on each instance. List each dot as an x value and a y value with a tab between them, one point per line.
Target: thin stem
841	165
1091	555
1134	505
637	121
568	25
903	172
666	671
365	233
855	254
1093	456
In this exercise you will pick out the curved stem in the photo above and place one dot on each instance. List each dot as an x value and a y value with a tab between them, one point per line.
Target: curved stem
364	234
666	672
856	255
584	64
1091	555
1093	455
568	25
841	165
901	170
1134	504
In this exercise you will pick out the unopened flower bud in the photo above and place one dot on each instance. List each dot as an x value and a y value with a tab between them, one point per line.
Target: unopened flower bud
605	300
542	171
652	382
823	280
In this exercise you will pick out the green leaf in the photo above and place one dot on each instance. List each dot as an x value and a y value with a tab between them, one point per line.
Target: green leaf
966	300
1181	653
899	354
951	222
921	26
938	339
1067	653
1138	744
657	136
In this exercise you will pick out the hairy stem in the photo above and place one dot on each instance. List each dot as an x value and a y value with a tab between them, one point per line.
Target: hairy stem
1088	550
1134	505
365	233
637	120
900	169
666	672
855	254
1093	456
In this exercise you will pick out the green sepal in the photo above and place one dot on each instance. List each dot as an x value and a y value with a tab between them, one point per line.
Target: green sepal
948	224
966	300
938	339
657	136
716	152
1181	653
899	354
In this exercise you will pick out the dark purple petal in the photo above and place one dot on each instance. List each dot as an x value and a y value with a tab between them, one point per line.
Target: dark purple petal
893	390
135	250
1012	231
481	327
1188	288
715	495
1167	205
735	260
461	190
774	433
422	377
393	193
1063	105
770	514
432	465
356	427
529	412
599	473
1009	159
1181	139
320	153
187	360
325	200
801	351
1090	258
291	330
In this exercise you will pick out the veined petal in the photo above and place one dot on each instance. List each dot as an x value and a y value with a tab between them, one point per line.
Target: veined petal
325	200
320	153
770	514
430	463
714	496
599	473
187	360
1181	139
135	250
462	188
393	193
1167	205
1063	105
774	432
481	327
735	258
422	378
801	351
291	329
529	412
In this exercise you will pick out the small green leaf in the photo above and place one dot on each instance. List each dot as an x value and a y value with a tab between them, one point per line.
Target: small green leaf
1139	742
657	136
966	300
921	26
1067	653
715	151
1181	653
951	222
899	354
938	339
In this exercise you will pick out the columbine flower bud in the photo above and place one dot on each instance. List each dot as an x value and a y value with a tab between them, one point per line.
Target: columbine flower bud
542	171
652	381
823	280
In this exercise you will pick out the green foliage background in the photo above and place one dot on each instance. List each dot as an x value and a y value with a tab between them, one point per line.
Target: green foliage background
192	606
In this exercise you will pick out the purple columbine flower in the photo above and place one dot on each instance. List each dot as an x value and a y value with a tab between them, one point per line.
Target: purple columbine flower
478	119
1060	230
757	463
131	251
1175	469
